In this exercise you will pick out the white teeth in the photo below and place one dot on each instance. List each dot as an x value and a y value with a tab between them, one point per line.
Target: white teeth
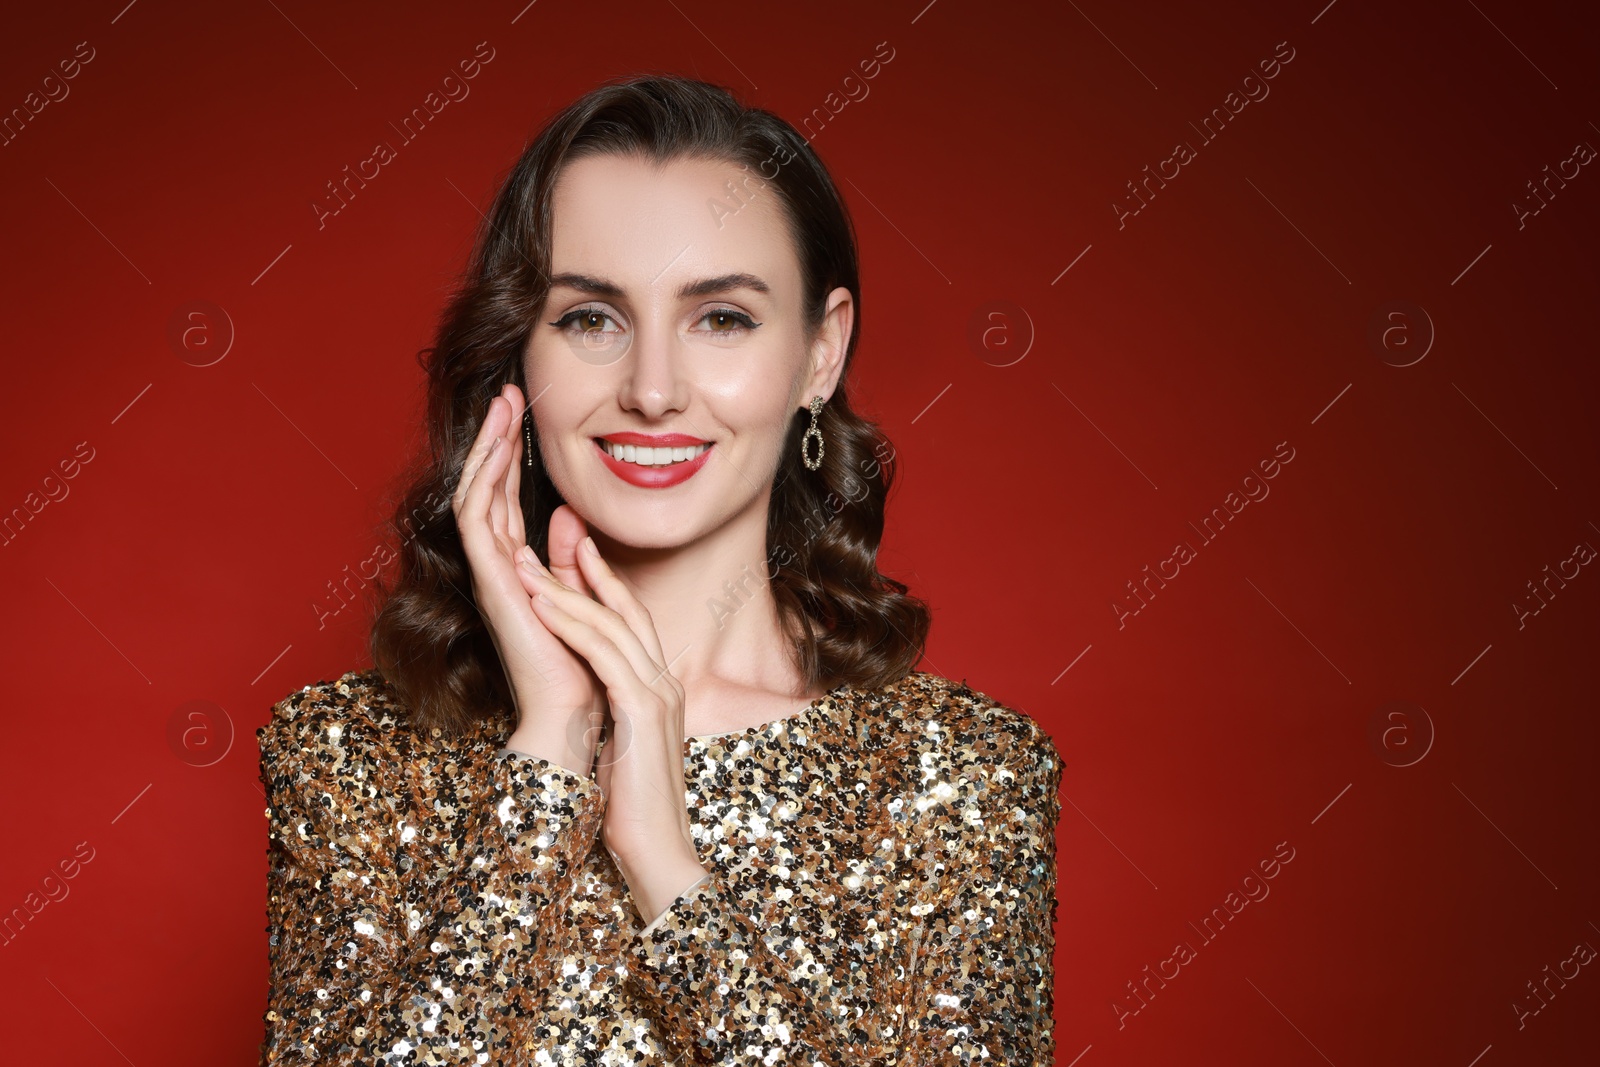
652	457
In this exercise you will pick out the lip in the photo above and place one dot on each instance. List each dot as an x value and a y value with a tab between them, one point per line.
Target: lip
653	477
654	440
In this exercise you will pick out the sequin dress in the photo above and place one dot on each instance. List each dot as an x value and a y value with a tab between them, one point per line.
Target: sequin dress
880	889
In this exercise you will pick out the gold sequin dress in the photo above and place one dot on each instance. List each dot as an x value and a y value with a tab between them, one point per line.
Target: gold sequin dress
880	890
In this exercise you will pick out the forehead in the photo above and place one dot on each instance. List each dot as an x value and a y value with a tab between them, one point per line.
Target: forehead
642	223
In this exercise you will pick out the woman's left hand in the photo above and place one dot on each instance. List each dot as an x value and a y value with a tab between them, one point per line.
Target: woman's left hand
640	767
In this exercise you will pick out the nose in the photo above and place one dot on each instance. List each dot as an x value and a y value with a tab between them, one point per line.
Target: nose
653	383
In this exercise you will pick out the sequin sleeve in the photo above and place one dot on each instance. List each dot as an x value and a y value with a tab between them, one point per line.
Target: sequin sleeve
971	976
367	965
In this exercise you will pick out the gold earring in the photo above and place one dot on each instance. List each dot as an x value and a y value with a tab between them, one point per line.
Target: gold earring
812	432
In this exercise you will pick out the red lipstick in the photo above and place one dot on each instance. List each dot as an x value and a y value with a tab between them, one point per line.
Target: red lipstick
653	477
654	440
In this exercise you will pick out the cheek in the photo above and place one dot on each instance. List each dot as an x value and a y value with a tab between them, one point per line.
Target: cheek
558	450
757	389
756	408
541	365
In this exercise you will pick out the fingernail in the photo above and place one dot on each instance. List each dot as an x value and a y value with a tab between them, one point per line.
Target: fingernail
588	543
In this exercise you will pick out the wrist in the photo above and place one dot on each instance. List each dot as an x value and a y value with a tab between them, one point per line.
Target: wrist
655	883
563	739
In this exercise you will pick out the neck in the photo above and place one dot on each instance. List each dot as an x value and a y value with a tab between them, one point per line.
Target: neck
712	606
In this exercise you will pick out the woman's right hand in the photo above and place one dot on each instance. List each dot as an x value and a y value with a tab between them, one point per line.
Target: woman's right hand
560	702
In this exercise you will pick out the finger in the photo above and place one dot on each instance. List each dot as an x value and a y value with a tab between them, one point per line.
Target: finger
566	530
501	508
617	595
529	565
515	526
474	514
499	514
592	629
615	662
492	427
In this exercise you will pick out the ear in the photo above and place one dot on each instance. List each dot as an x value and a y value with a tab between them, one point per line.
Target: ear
829	347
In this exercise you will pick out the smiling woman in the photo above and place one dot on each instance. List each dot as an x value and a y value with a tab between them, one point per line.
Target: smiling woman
808	850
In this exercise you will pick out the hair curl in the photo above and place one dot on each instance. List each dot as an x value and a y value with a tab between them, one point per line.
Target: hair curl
846	621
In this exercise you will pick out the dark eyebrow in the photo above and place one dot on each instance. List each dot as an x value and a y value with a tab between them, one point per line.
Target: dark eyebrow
585	284
705	287
722	284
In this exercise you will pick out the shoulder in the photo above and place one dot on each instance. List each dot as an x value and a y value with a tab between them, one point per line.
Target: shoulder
329	755
352	718
945	730
922	703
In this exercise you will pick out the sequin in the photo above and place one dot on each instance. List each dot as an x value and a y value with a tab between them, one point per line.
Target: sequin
880	889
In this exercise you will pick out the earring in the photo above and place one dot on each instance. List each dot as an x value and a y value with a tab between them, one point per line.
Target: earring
812	432
527	437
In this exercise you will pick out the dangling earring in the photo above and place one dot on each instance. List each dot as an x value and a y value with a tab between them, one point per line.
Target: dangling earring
812	432
527	437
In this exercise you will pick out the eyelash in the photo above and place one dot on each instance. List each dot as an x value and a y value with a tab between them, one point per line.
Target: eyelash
745	321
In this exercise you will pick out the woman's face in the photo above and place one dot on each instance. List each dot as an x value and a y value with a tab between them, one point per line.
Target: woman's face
679	313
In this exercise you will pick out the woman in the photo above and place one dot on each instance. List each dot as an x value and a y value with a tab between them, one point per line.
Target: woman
811	853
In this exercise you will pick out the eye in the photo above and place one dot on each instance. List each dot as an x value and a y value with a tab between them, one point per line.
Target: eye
728	321
586	319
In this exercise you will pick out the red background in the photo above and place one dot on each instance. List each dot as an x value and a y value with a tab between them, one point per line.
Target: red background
1231	314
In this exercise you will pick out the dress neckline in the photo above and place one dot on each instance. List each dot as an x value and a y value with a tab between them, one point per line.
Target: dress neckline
813	713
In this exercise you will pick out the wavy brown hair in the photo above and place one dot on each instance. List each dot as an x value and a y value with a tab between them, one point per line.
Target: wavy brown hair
846	622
